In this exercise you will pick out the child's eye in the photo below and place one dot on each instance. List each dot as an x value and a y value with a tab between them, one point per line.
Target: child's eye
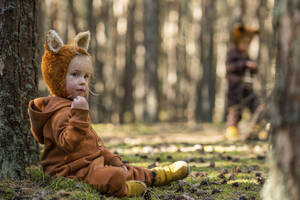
86	76
74	74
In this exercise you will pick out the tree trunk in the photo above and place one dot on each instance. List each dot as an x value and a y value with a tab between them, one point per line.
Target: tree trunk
65	22
206	87
18	85
127	104
97	79
266	48
73	16
53	15
151	42
240	11
284	178
111	100
182	94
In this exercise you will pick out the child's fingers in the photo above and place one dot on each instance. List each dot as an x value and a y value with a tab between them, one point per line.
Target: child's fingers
80	102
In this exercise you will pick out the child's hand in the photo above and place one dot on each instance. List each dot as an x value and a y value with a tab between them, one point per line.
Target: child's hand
80	102
125	169
251	65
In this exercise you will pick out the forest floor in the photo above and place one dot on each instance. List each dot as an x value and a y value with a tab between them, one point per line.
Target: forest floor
219	170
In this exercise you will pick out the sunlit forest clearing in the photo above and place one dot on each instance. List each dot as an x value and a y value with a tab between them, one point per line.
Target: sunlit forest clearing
219	170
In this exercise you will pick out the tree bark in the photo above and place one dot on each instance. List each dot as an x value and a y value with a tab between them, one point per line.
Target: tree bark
284	178
18	85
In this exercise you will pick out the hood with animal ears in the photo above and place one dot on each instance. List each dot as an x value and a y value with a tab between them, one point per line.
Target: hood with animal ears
57	57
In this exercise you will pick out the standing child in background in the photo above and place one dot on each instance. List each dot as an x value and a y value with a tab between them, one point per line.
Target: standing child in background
240	92
61	123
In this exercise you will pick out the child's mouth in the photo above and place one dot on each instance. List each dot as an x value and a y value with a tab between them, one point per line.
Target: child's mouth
81	90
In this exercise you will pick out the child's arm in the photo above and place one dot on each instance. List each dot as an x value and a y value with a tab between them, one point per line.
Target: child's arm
251	65
234	62
70	128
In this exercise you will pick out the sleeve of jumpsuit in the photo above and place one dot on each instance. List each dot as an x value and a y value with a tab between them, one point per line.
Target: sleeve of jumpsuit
69	128
234	62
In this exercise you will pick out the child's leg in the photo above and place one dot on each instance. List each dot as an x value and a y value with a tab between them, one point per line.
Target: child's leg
253	103
139	173
173	172
108	180
234	116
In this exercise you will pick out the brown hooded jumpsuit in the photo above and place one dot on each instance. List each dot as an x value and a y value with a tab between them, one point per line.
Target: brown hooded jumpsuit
73	149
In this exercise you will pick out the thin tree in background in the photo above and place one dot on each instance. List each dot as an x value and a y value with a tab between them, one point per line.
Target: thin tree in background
284	177
18	85
184	78
266	50
111	100
206	87
241	11
95	99
152	43
73	15
65	21
53	15
127	105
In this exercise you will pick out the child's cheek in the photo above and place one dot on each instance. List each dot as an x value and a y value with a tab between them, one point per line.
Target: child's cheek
71	86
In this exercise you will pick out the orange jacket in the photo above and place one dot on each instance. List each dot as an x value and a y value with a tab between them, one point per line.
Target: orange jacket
70	143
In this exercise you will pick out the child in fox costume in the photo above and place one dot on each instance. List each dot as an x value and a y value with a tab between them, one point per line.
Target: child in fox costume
61	123
240	92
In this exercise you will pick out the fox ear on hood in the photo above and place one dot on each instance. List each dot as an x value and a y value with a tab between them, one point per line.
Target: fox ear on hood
82	40
53	41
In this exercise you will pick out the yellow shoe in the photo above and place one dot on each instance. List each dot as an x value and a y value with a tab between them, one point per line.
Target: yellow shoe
135	188
176	171
232	133
262	135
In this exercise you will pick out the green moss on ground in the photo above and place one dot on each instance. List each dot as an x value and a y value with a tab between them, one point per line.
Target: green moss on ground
219	170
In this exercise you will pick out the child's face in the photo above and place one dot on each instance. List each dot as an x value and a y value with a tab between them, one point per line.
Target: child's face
78	75
244	44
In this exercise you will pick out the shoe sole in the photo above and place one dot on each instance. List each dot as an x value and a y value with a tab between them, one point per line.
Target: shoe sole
188	170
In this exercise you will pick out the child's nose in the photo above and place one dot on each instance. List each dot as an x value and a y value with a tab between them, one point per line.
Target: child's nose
82	81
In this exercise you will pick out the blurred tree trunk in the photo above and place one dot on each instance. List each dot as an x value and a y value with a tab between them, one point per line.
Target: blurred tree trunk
242	10
65	22
284	178
206	87
18	85
265	52
97	79
99	110
73	16
41	13
111	100
127	103
152	46
182	93
53	15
